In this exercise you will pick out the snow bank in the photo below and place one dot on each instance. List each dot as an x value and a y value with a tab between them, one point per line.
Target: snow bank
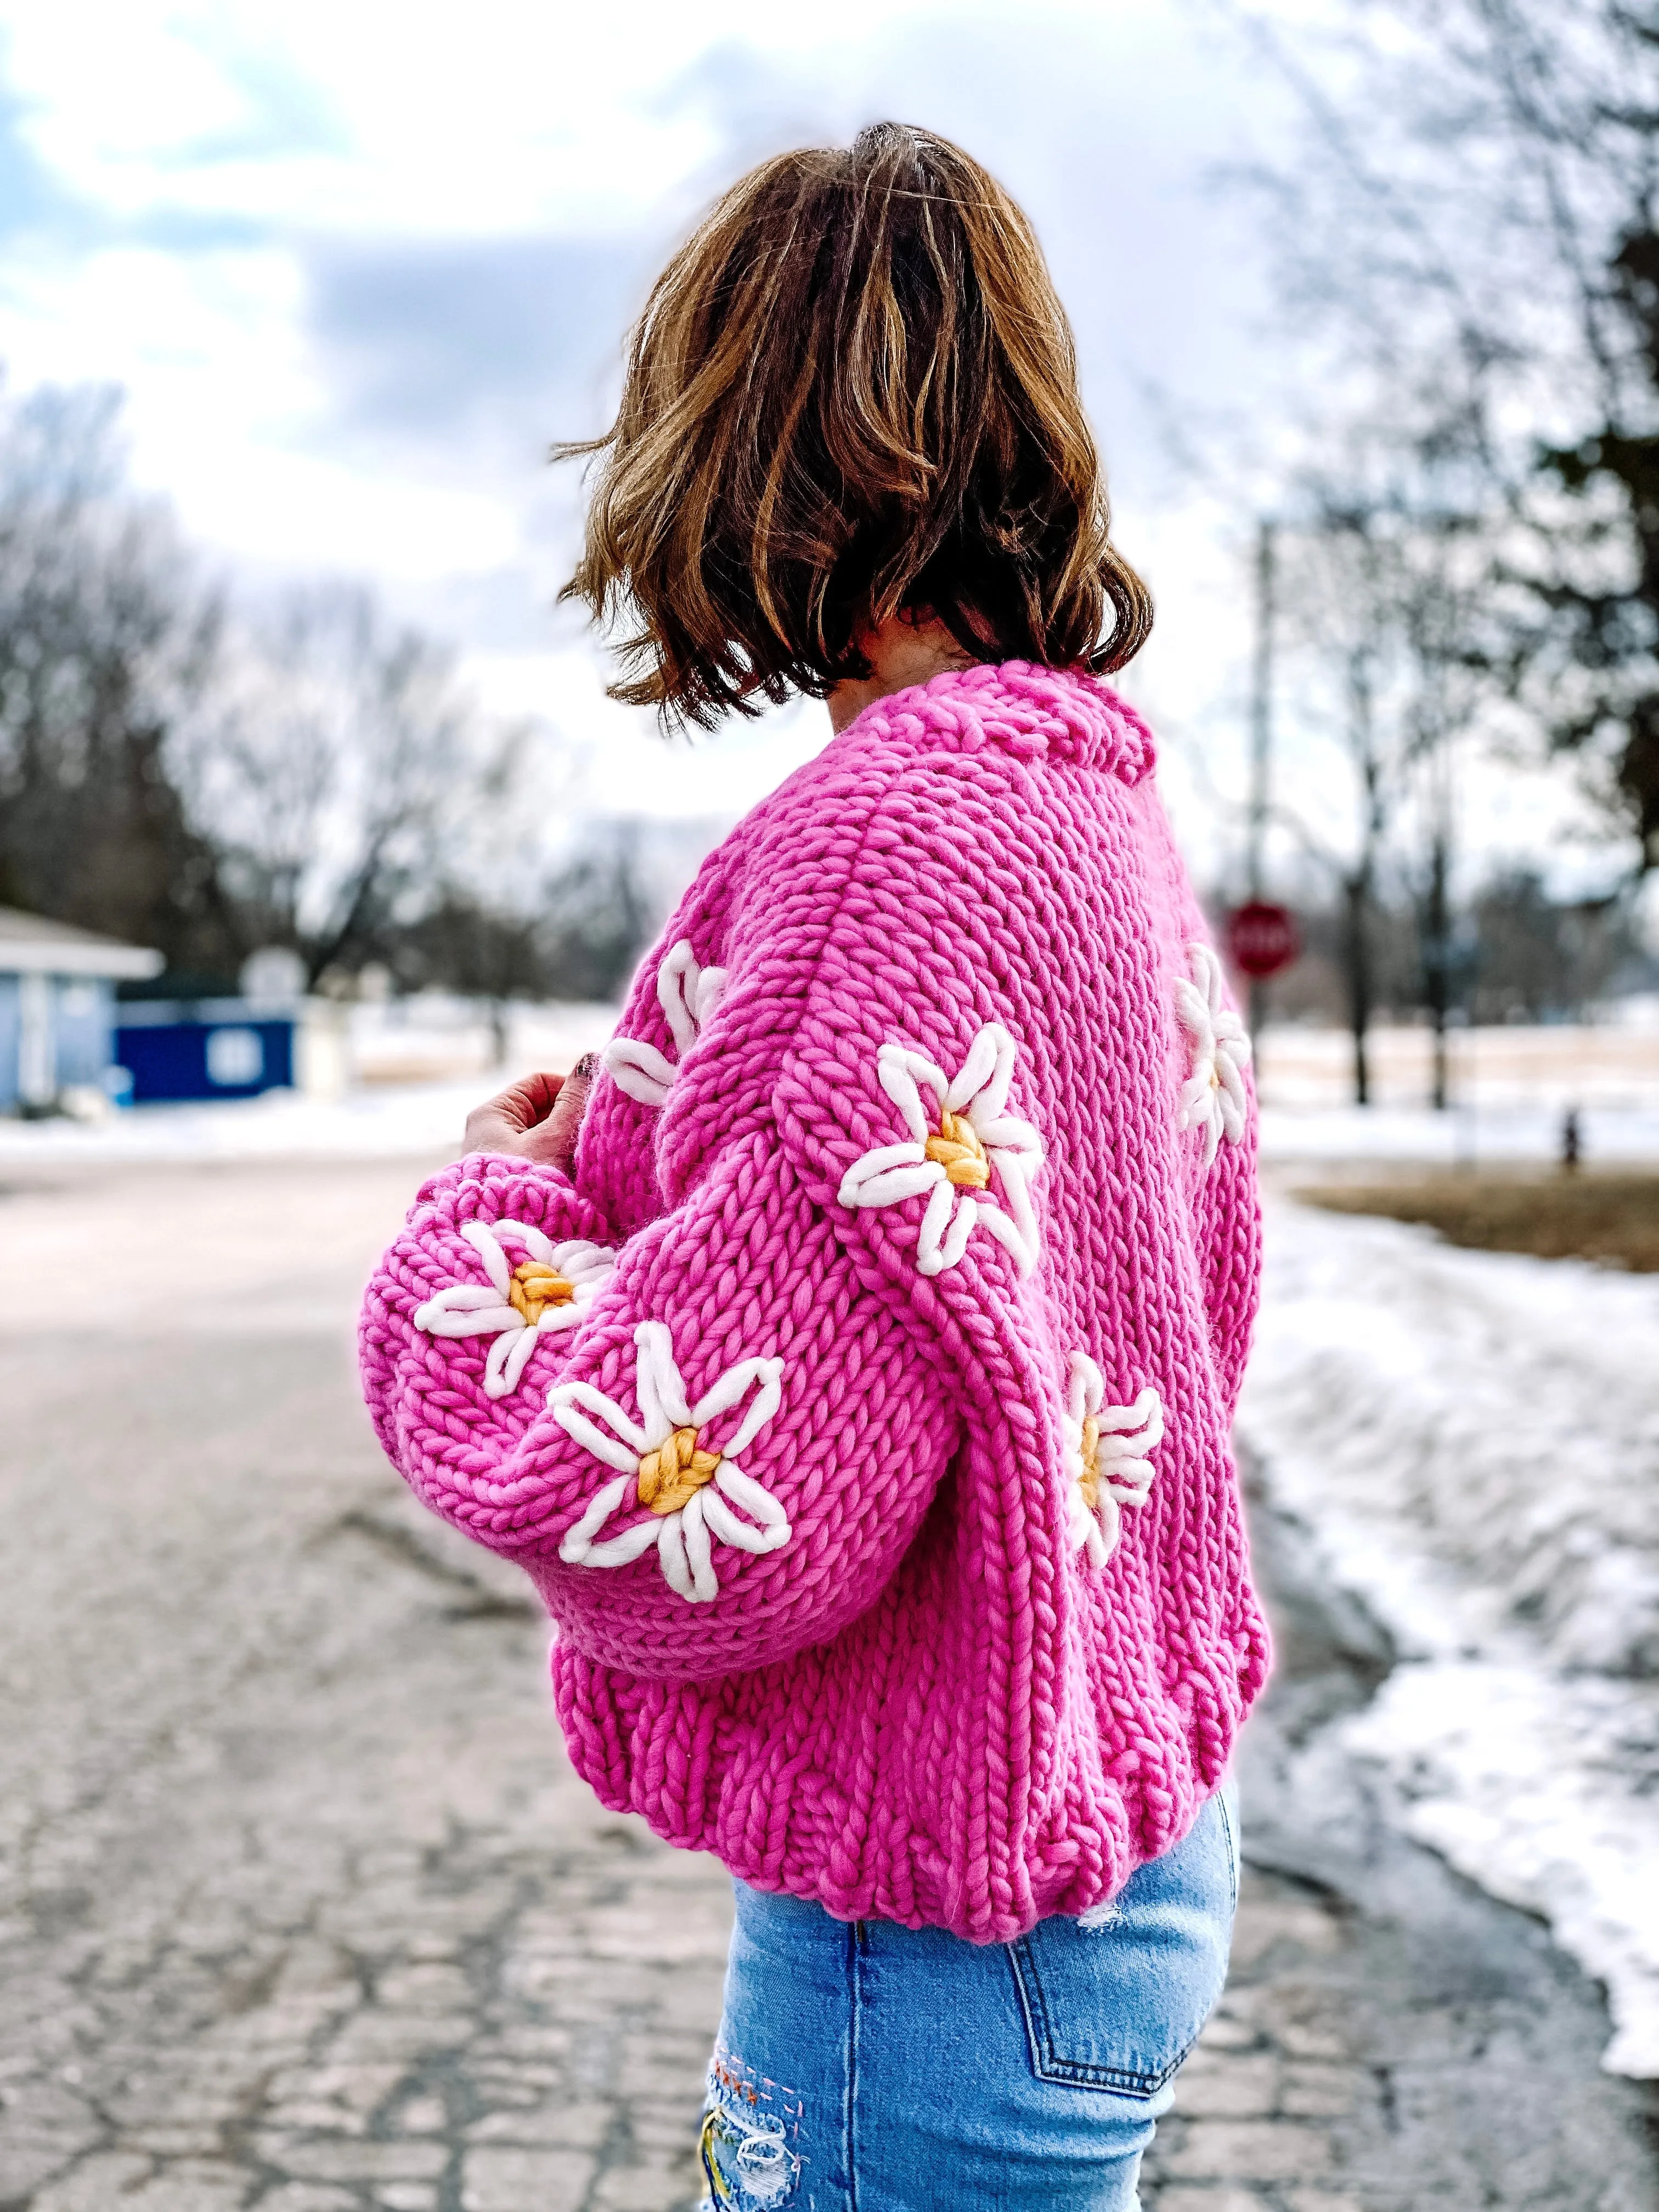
1493	1137
378	1123
1473	1439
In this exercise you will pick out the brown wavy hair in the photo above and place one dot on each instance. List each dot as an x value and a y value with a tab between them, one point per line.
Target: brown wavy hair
852	393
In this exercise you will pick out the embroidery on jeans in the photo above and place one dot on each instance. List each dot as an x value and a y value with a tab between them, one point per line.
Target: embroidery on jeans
750	2141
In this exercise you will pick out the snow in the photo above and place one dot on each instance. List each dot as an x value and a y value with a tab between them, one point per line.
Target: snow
1463	1138
1473	1440
383	1122
395	1108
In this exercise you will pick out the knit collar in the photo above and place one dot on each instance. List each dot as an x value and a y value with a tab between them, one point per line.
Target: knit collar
1060	714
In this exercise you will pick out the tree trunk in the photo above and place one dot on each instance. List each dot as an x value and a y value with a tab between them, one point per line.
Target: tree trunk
1436	966
1357	890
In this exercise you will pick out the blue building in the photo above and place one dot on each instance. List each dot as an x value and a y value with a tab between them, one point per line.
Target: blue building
205	1048
57	1008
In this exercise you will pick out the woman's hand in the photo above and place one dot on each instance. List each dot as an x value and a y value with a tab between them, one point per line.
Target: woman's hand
538	1119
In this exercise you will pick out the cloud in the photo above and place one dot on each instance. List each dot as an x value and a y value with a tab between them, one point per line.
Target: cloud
31	197
485	341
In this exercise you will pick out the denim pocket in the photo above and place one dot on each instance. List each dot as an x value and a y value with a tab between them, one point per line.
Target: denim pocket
1118	2002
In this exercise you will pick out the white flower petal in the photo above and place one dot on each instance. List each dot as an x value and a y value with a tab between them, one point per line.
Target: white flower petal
657	1383
742	1535
623	1450
694	1534
1194	1009
727	1526
875	1165
1010	1235
900	1072
579	1261
526	1234
1013	1175
576	1544
1207	974
757	1501
1195	1099
889	1186
639	1069
1147	1413
711	989
517	1351
990	1053
1007	1134
938	1219
1078	1518
677	1568
729	1390
1085	1389
495	1381
678	978
481	1238
621	1551
467	1310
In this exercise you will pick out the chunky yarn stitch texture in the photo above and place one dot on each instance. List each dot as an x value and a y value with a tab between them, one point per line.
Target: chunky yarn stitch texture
809	1507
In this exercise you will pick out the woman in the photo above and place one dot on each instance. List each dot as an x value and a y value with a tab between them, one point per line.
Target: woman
851	1364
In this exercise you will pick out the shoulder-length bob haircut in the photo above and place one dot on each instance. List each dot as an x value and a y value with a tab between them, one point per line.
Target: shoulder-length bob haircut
852	393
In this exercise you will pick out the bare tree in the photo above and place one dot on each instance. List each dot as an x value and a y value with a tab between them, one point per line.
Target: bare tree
109	644
1475	221
208	777
345	778
1387	657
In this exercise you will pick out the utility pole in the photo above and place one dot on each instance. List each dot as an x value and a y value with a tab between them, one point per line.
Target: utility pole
1261	740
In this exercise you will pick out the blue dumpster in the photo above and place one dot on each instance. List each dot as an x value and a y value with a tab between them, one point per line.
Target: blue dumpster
178	1049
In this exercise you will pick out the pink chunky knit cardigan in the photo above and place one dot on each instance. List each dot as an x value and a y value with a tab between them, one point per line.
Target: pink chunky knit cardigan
860	1405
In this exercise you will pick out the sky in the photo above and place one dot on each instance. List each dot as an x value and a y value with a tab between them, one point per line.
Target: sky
356	266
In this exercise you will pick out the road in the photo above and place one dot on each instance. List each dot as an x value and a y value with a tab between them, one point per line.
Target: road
303	1909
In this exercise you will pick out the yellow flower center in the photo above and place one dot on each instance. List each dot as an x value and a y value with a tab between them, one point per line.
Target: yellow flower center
1088	1481
959	1150
535	1286
675	1472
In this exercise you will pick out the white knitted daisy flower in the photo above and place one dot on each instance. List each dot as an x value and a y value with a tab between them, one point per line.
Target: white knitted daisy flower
1108	1445
689	1488
688	994
1212	1098
549	1290
953	1151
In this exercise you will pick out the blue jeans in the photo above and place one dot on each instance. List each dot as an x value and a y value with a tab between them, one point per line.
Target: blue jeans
871	2068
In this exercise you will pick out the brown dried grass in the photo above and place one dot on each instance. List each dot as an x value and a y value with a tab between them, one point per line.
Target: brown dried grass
1608	1215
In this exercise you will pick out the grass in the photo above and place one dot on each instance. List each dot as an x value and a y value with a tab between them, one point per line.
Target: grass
1590	1215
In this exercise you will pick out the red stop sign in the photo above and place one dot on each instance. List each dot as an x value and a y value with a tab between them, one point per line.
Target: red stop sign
1262	938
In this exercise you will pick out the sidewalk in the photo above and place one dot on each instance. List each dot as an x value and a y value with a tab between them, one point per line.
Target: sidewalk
303	1909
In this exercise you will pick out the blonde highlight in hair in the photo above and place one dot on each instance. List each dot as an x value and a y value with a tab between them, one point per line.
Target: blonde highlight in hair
852	393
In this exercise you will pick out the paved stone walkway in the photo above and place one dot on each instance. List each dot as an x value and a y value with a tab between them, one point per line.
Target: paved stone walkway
301	1907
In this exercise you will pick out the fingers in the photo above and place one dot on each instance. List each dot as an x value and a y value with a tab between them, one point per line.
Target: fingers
537	1118
564	1122
531	1099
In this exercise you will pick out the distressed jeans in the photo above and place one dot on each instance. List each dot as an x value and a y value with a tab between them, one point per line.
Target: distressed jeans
871	2068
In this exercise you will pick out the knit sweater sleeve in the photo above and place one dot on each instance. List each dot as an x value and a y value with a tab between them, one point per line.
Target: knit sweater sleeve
710	1442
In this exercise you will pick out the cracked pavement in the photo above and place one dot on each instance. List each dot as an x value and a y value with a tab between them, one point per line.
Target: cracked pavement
301	1907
